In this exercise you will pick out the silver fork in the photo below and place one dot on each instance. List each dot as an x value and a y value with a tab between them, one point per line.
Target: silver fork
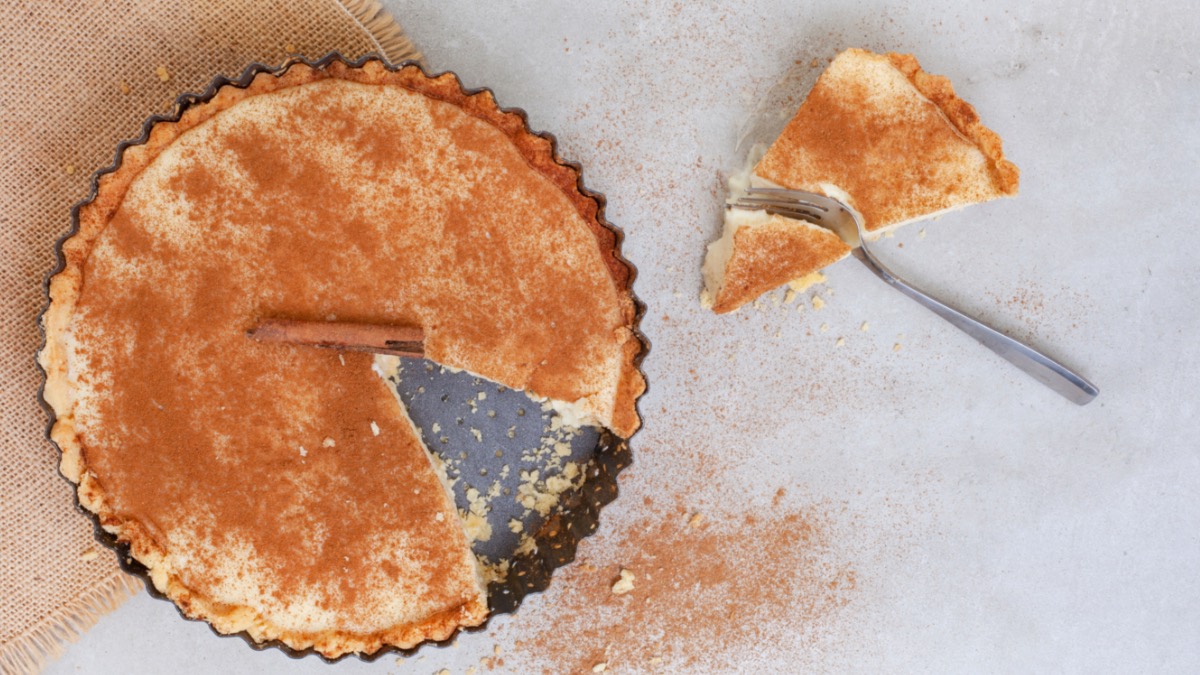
833	215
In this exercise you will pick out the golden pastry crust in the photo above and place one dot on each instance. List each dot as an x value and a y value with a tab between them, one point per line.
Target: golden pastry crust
63	385
771	254
897	140
962	115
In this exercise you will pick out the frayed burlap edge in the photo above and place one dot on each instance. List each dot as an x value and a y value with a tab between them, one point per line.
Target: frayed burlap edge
47	640
385	31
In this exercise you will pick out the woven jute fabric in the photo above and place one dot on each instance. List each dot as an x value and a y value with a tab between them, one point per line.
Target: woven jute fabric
76	78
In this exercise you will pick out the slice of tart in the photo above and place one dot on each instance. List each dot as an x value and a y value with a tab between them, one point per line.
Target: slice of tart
281	490
759	252
892	141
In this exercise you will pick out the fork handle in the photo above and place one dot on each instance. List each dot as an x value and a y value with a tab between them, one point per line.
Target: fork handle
1043	368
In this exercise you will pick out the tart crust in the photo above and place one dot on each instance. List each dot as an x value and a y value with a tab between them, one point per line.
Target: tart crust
615	409
893	139
962	115
763	252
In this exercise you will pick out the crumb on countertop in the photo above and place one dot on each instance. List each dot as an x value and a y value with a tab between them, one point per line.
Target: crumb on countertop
625	583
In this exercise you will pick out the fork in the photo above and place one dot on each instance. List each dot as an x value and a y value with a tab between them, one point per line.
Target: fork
836	216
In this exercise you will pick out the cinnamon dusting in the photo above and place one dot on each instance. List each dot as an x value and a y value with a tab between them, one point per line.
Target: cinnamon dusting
190	432
703	592
771	254
897	140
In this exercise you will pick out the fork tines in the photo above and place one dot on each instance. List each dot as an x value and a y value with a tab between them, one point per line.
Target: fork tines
783	202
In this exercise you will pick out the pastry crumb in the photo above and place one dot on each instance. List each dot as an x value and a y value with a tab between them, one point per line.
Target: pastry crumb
516	526
840	342
896	347
865	326
163	74
374	428
625	583
477	434
600	667
817	302
921	234
328	442
124	88
695	520
496	572
824	327
303	452
526	546
477	527
804	282
789	297
70	169
89	555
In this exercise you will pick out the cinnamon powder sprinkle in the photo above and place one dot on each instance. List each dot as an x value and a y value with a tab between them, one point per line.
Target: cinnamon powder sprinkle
868	111
207	454
704	593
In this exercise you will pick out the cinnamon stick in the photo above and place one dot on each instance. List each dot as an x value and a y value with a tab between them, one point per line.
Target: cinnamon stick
355	337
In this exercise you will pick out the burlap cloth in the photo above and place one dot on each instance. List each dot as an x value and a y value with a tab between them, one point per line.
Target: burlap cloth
75	79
